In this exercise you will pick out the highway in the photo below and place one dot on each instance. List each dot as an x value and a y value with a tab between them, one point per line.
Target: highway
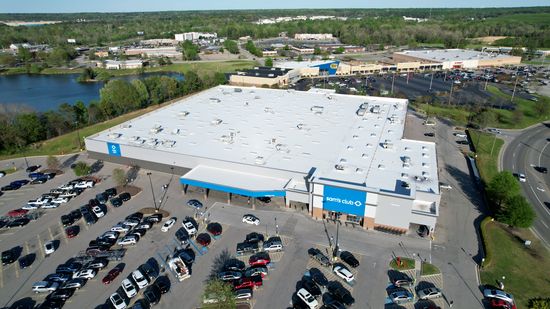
528	149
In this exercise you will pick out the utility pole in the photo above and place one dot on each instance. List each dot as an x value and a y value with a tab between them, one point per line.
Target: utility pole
408	73
451	93
392	81
432	80
486	81
515	85
335	252
153	192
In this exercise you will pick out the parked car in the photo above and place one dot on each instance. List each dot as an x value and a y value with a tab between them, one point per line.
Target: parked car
128	240
402	281
76	283
121	228
254	237
66	220
318	277
49	206
343	272
49	247
72	231
214	228
39	180
251	219
152	295
26	260
98	263
494	293
496	303
247	248
154	218
129	288
256	271
85	273
349	259
259	259
307	298
401	296
116	202
17	213
230	275
32	168
98	212
111	192
168	225
84	184
117	301
111	275
311	287
317	255
10	187
541	169
182	236
125	196
34	176
163	284
18	222
58	277
340	293
75	214
243	294
429	293
61	294
140	279
204	239
235	265
10	256
264	199
194	204
189	227
44	286
522	177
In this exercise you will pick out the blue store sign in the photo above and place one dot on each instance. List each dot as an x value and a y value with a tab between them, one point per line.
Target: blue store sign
344	200
114	149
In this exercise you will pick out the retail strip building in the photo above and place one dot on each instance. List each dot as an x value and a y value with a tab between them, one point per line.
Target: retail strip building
339	156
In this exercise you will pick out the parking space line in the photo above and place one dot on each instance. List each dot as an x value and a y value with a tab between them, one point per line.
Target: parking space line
1	277
50	231
27	247
16	266
40	246
64	235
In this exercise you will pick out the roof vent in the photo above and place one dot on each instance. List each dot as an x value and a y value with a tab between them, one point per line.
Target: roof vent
269	110
126	126
259	160
237	90
361	112
316	109
176	131
349	147
375	109
339	167
405	175
183	114
364	156
156	129
152	142
359	170
405	185
168	143
215	100
114	135
216	121
387	144
381	166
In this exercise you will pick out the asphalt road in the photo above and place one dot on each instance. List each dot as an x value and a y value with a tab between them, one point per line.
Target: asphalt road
528	149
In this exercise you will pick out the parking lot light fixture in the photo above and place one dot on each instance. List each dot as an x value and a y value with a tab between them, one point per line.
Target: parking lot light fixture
153	192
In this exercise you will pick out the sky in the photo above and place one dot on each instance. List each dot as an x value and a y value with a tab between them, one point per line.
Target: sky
66	6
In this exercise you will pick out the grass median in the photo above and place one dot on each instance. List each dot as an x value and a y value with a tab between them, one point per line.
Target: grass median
487	149
524	268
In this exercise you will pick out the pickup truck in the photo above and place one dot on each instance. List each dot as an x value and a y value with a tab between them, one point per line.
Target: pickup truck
317	255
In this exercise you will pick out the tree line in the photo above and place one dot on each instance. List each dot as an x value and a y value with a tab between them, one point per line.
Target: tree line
117	97
450	27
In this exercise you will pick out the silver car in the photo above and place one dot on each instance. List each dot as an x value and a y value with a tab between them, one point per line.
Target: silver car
429	293
401	296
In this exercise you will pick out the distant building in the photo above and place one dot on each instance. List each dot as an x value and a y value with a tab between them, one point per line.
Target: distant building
32	48
114	49
126	64
269	53
140	33
158	42
456	58
261	77
101	53
169	52
195	36
71	41
313	36
418	20
302	50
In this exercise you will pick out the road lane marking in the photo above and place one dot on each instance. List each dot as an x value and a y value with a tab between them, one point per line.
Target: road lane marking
541	203
544	224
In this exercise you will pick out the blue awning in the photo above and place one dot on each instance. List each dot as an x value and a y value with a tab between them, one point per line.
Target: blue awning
235	182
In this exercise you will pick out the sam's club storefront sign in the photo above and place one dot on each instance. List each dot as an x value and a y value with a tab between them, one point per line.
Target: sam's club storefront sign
114	149
344	200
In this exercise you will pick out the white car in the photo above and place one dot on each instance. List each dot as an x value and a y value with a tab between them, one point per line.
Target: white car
129	288
98	212
39	201
458	134
168	224
251	219
130	222
117	301
445	186
60	200
140	279
44	286
49	248
85	274
494	293
56	191
307	298
30	207
344	273
110	235
522	178
68	186
189	228
49	206
429	293
128	240
84	184
120	228
67	194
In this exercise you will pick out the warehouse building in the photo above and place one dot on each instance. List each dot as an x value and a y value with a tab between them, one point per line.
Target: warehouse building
341	157
456	58
261	77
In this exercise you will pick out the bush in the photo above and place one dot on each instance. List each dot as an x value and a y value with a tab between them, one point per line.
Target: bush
82	169
539	303
517	212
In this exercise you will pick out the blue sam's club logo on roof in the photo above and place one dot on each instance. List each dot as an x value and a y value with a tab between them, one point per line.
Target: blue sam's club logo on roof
344	200
114	149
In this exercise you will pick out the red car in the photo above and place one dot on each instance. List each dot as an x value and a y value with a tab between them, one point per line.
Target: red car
111	275
248	282
72	231
497	303
214	228
17	213
259	259
204	239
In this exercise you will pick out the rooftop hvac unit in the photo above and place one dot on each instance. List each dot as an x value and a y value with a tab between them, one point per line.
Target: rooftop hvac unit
168	143
376	109
407	159
237	90
339	167
316	109
359	170
387	145
364	105
259	160
405	185
361	112
183	114
273	141
269	110
176	131
216	122
126	126
152	142
114	135
215	100
156	128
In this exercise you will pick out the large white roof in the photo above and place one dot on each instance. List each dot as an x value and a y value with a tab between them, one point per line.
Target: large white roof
442	55
290	131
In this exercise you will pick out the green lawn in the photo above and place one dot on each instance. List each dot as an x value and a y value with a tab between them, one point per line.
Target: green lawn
459	115
525	269
406	263
429	269
488	148
68	143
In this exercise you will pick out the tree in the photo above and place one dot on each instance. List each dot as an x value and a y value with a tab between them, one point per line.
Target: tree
29	127
80	113
7	60
268	62
501	188
517	51
23	54
299	58
517	212
142	92
317	50
231	46
539	303
87	75
192	82
82	168
189	50
120	177
118	97
542	107
220	291
219	78
52	162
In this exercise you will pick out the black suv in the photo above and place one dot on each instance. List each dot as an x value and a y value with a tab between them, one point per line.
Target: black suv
247	248
110	192
152	294
116	202
88	216
75	214
340	293
10	256
254	237
348	257
67	220
316	254
125	196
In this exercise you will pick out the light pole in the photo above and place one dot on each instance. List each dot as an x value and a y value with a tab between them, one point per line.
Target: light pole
276	227
392	81
451	93
152	191
78	135
515	85
432	80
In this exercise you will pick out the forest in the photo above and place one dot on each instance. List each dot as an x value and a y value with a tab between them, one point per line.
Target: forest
450	27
